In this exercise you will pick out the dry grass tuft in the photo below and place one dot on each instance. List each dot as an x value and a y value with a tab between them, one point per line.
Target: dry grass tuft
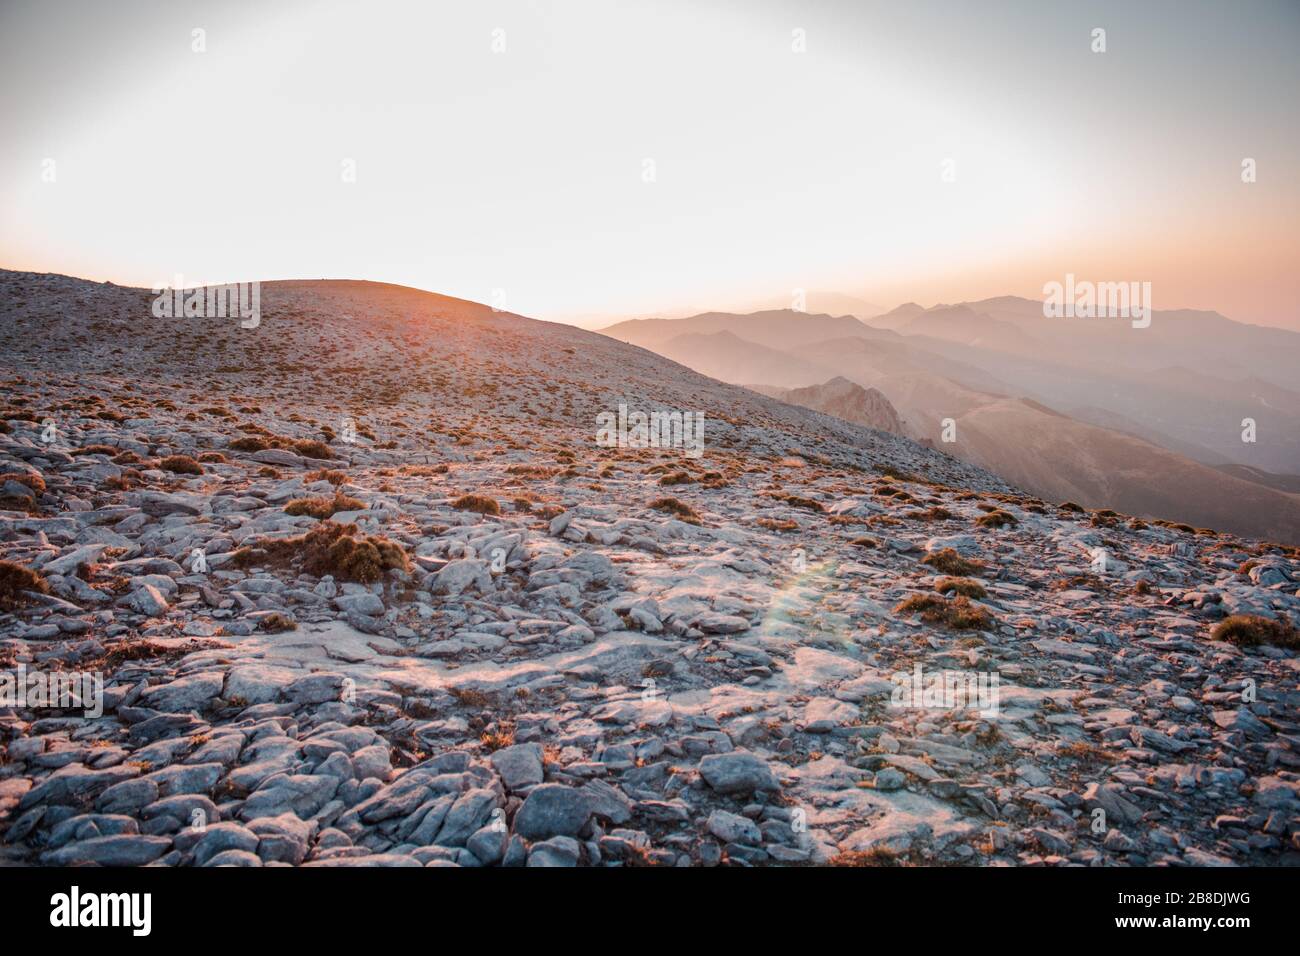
531	471
503	736
478	503
936	513
997	518
29	478
312	449
469	696
806	503
948	561
324	507
678	508
1251	630
957	613
676	478
263	439
424	471
20	490
333	476
329	548
966	586
15	579
181	465
249	443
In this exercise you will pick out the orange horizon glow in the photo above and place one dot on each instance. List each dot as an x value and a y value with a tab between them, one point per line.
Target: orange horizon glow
511	176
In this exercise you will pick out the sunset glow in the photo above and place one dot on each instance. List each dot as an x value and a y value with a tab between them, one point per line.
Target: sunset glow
502	147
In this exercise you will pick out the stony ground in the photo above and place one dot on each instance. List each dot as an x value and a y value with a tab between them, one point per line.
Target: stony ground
576	676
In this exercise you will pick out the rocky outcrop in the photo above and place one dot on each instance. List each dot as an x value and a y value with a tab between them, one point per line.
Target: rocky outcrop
849	401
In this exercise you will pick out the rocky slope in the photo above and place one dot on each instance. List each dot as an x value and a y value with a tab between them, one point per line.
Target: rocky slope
509	645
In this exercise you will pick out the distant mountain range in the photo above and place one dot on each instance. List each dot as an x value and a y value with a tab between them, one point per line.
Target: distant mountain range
1148	421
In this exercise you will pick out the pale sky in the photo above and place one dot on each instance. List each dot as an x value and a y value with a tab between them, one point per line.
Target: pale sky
524	170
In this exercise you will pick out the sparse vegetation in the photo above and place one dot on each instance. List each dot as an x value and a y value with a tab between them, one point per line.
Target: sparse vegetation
936	513
676	478
1087	581
262	439
469	697
127	480
480	504
1252	630
312	449
889	471
425	471
502	735
15	580
333	476
323	507
181	465
997	518
966	586
29	478
1088	752
677	508
948	561
531	471
957	613
277	622
30	487
329	548
806	503
249	443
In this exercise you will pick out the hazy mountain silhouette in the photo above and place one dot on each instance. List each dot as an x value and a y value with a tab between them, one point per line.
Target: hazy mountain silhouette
1145	421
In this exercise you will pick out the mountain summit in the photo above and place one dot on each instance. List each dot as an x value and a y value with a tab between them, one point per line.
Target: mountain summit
849	401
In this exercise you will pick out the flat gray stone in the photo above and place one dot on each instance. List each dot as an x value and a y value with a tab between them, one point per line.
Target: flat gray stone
553	809
737	772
